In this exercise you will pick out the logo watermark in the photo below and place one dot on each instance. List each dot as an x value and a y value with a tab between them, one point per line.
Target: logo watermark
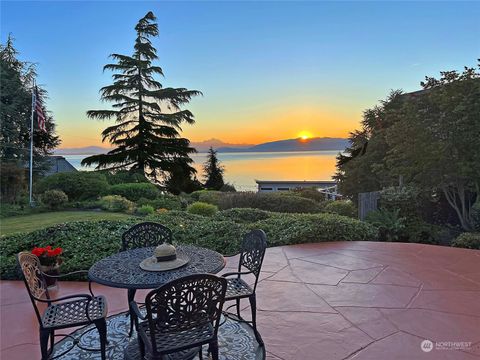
427	345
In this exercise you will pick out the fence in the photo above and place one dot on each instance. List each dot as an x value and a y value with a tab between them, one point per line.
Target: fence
367	202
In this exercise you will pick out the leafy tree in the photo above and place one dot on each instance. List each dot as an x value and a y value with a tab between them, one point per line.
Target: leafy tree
213	171
148	116
15	110
430	138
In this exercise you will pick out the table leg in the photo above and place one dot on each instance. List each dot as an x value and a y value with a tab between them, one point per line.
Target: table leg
133	318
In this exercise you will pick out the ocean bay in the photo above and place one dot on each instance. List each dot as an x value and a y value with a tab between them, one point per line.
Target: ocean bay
243	168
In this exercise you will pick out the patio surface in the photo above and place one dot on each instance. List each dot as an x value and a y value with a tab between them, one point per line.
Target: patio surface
337	300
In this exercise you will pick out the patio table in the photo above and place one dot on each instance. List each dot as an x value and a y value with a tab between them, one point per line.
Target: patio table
122	270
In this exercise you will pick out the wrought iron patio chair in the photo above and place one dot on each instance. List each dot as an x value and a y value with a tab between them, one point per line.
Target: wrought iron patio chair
143	235
252	252
182	314
64	312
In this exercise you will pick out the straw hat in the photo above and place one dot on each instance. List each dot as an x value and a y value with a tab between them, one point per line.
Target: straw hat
165	258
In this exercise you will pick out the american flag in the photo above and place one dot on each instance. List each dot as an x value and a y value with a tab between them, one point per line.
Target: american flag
37	105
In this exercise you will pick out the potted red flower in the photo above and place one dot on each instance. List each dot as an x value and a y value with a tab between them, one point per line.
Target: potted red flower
50	261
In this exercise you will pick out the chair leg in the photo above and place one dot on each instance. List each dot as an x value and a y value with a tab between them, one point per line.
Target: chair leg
131	297
238	309
44	336
253	306
52	340
141	346
102	330
213	347
200	353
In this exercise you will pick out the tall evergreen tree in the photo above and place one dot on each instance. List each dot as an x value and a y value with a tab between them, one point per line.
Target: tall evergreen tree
148	116
15	110
213	171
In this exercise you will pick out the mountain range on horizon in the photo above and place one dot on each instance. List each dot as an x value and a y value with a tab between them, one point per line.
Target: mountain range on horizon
311	144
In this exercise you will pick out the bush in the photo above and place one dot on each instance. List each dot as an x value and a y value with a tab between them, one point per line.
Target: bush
285	229
405	199
390	225
270	202
79	185
475	212
310	193
468	240
243	216
124	177
201	208
341	207
145	210
210	196
54	199
86	242
116	203
135	191
166	201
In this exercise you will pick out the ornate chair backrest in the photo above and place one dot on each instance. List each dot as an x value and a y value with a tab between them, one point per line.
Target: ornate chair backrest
33	278
145	234
252	252
186	303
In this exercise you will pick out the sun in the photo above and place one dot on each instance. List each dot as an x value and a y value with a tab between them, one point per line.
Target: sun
304	135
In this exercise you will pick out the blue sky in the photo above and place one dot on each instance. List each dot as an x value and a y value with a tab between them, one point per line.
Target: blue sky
268	70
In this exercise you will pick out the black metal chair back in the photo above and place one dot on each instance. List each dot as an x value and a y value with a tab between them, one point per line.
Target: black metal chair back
252	252
33	279
186	303
145	234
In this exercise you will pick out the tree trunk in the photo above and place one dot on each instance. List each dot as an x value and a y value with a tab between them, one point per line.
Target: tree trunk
463	211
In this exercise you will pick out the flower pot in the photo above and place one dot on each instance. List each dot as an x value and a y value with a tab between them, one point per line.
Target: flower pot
50	270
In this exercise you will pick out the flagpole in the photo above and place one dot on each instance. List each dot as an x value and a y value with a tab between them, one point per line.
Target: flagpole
30	189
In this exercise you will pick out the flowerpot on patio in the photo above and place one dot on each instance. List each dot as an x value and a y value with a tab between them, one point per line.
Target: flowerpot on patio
51	270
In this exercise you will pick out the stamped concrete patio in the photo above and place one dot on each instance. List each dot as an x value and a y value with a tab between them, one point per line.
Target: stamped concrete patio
337	300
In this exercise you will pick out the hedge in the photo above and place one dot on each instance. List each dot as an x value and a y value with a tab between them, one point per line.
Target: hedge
135	191
469	240
270	202
286	229
243	215
341	207
86	242
202	208
78	185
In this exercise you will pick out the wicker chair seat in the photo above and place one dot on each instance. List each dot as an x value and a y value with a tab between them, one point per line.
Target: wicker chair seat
73	312
167	341
236	287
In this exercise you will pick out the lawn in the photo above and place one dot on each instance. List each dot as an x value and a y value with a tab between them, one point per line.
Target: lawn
27	223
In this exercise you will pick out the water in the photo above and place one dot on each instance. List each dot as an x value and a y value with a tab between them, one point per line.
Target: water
242	169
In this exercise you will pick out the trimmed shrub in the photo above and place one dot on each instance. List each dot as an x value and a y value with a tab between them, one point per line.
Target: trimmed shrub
116	203
243	215
270	202
79	185
166	201
285	229
341	207
468	240
145	210
54	199
201	208
135	191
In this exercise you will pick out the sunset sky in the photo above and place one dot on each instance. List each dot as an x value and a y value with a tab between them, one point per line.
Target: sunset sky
268	70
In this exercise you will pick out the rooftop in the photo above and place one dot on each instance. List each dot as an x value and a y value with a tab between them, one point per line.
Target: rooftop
336	300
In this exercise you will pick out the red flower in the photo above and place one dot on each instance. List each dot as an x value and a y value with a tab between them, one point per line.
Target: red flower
38	251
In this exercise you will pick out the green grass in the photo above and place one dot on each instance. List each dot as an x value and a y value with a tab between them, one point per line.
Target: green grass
28	223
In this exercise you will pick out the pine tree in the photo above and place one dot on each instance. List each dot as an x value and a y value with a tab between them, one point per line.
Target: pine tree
148	116
213	171
15	110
